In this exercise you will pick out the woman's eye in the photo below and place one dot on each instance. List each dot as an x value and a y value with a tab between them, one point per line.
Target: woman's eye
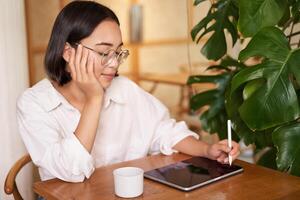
104	54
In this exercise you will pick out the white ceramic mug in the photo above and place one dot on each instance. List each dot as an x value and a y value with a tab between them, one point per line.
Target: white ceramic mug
129	182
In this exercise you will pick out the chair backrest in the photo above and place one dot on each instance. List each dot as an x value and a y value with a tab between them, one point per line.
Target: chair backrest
10	186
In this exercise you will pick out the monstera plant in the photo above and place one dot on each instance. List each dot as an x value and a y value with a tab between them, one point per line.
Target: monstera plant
261	99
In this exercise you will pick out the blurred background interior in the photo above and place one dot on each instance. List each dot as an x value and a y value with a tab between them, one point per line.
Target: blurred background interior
162	56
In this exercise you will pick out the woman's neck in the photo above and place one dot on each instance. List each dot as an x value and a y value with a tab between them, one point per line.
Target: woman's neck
72	93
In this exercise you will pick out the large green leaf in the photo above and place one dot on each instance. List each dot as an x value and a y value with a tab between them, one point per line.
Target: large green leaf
295	10
214	97
252	78
270	43
291	14
264	138
294	64
257	14
215	47
227	63
213	119
204	98
275	102
213	124
248	74
268	159
216	123
251	87
287	140
232	103
219	79
285	18
222	15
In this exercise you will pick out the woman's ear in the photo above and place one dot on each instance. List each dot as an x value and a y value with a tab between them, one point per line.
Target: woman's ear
67	52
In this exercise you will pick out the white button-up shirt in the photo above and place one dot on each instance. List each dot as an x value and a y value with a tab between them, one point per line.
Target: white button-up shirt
132	125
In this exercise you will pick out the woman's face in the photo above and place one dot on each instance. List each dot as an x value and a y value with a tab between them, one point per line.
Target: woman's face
106	37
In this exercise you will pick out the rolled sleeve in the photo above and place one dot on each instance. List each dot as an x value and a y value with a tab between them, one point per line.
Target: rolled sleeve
57	153
84	164
167	132
67	160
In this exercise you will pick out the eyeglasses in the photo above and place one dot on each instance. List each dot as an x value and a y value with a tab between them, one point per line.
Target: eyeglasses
109	55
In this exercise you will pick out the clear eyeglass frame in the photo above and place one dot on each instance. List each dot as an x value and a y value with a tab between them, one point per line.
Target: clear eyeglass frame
109	55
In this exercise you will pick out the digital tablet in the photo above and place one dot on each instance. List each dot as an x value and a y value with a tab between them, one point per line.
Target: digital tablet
192	173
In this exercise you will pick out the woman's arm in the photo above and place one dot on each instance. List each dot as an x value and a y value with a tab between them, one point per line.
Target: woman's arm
88	123
218	151
170	136
82	67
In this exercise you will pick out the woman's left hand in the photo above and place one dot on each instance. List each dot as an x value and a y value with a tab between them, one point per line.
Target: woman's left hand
219	151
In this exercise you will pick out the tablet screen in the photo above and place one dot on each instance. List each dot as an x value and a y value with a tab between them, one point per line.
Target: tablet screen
192	173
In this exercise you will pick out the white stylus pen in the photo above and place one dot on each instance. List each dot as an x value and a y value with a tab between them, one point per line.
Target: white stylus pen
229	140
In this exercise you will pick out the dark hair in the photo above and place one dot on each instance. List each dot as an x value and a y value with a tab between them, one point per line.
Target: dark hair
75	22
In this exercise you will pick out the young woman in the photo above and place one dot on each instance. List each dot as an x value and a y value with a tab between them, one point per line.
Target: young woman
85	115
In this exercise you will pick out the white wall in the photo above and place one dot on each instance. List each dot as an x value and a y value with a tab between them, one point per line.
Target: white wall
13	80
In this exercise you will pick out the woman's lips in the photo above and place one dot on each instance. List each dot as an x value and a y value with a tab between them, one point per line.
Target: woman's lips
108	76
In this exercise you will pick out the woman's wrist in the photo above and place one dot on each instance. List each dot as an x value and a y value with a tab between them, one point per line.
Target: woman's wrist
206	147
94	100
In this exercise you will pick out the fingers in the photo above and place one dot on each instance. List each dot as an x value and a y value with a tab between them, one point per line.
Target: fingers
90	67
223	158
72	64
223	141
235	152
223	146
77	62
235	146
83	63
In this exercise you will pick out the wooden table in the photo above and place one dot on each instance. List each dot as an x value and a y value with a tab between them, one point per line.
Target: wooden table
254	183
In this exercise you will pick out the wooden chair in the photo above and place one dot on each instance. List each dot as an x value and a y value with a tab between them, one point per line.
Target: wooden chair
10	186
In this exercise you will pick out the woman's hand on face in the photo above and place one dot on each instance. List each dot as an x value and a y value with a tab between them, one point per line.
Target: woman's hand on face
82	67
219	151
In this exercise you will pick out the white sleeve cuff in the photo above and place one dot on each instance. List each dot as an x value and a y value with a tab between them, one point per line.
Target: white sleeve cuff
80	160
172	133
167	147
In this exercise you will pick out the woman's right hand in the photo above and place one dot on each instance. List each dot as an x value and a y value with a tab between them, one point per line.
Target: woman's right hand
82	68
82	65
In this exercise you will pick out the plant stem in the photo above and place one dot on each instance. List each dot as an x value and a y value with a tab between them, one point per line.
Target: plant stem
287	24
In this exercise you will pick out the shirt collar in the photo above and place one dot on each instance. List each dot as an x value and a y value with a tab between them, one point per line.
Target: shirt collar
114	93
47	95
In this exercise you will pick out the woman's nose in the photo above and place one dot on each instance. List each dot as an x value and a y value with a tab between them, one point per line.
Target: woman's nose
113	63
